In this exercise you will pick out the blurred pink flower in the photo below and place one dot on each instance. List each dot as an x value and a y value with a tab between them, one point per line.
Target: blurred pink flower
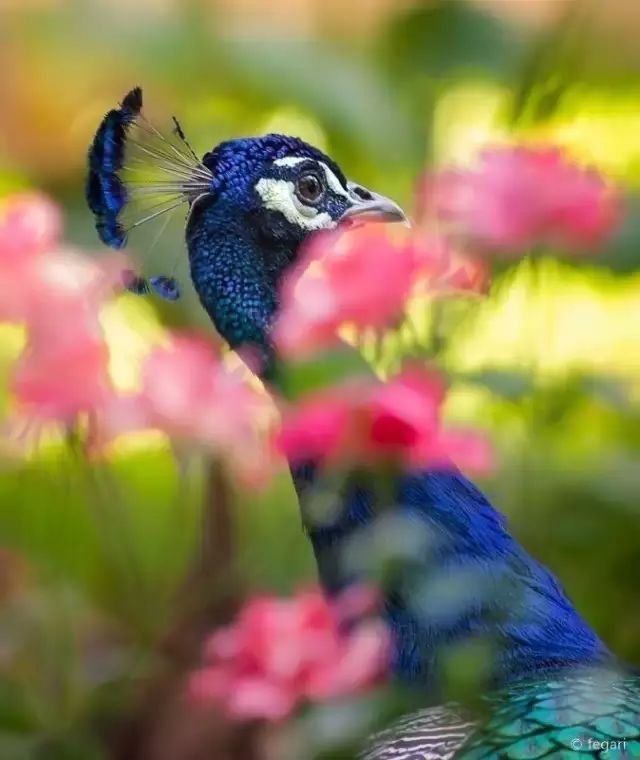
519	197
189	394
445	270
281	652
58	380
63	370
361	277
56	293
30	224
367	421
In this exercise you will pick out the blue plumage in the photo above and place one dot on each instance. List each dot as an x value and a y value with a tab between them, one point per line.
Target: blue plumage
494	591
105	191
239	247
233	285
165	287
136	174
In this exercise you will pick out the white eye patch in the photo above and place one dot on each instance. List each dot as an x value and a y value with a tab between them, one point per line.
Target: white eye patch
279	195
332	180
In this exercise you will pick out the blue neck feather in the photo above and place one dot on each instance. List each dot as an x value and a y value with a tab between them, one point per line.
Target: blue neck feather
238	280
507	598
472	580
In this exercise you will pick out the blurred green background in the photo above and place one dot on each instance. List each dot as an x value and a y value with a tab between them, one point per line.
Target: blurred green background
92	556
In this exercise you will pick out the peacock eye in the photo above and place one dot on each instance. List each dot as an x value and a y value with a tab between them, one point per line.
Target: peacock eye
309	188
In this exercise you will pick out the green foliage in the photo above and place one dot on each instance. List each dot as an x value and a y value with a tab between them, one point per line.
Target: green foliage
451	38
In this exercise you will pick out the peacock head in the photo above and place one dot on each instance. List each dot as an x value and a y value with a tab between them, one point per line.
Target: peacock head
251	202
284	189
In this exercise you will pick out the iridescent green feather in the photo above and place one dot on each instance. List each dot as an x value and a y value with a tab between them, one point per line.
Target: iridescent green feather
595	714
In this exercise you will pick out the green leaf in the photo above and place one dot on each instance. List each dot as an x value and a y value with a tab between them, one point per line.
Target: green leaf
323	371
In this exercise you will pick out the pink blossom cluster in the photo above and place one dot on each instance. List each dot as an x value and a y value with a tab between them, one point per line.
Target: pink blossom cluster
365	421
187	392
514	198
520	197
280	653
185	389
56	293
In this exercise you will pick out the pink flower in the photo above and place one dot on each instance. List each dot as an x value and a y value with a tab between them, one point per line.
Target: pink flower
29	224
361	277
365	421
519	197
63	370
280	653
189	394
444	270
57	381
56	293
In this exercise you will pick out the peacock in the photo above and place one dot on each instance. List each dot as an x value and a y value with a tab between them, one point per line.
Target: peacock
552	687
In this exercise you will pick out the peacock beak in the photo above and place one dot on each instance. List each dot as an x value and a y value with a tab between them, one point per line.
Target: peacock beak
368	206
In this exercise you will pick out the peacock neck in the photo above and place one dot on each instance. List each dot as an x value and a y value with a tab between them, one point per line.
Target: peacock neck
466	580
236	273
501	595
